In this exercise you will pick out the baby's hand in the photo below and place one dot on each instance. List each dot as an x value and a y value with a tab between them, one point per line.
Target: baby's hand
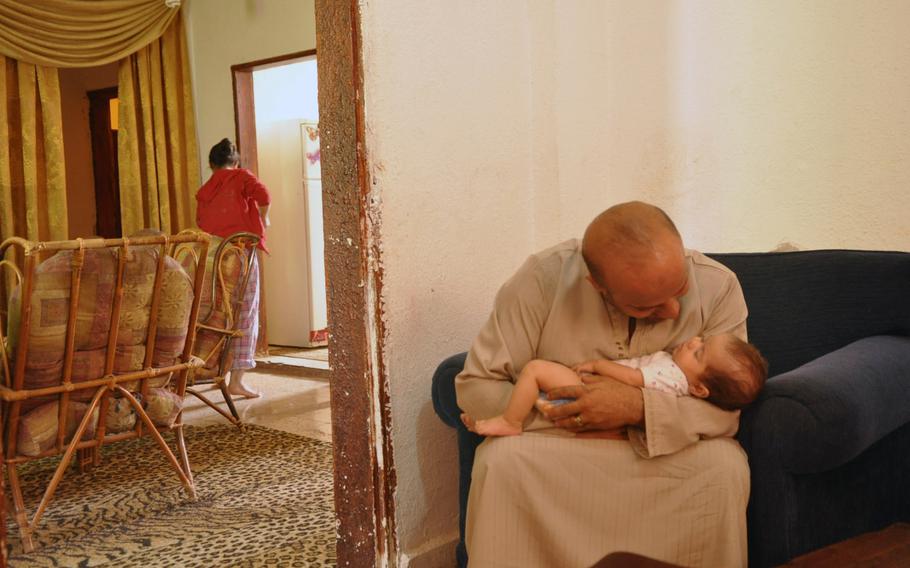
586	367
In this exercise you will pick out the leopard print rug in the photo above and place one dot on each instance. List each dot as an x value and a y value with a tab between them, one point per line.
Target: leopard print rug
264	499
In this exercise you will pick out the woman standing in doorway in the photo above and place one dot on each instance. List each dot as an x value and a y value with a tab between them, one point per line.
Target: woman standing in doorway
233	200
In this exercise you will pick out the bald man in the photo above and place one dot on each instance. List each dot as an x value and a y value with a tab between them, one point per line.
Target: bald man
564	494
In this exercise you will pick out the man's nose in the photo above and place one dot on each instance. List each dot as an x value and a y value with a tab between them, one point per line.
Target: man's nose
669	309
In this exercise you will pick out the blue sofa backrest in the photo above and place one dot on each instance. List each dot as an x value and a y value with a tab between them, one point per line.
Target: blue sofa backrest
803	305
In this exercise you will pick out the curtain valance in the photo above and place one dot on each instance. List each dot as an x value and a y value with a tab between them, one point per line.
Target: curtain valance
81	33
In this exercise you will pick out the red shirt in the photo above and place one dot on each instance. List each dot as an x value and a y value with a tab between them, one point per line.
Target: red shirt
229	203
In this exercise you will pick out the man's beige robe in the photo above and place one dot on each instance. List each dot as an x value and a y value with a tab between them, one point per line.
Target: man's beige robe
548	499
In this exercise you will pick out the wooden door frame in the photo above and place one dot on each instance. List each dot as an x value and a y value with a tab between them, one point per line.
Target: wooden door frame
361	415
244	103
245	137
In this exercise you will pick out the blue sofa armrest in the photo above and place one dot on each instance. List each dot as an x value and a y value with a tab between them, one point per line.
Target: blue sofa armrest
825	413
444	402
826	444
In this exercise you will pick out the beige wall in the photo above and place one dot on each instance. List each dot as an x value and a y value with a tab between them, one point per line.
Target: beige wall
77	143
222	33
497	128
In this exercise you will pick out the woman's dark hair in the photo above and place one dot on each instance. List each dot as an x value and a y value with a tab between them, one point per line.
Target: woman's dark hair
224	154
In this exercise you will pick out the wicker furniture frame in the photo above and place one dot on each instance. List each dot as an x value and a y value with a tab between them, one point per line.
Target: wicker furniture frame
217	359
14	392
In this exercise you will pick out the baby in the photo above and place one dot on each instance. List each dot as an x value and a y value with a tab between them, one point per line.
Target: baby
722	369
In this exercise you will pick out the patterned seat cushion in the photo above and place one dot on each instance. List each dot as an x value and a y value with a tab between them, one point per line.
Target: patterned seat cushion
38	429
50	311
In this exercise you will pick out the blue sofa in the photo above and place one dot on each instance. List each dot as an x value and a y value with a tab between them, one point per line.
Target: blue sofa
828	440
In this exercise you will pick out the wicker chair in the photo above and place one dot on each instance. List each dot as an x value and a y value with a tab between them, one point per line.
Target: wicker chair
227	276
96	327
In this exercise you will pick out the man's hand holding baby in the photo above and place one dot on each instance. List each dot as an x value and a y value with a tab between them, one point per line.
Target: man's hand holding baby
601	408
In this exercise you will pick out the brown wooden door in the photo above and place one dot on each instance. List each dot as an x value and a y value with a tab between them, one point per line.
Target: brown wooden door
104	162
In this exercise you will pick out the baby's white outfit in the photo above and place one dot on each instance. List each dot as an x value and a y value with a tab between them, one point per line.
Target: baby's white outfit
660	372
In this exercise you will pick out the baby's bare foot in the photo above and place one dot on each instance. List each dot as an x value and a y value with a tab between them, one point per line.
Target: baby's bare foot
497	426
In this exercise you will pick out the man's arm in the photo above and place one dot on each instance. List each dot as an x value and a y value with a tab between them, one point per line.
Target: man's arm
505	344
674	422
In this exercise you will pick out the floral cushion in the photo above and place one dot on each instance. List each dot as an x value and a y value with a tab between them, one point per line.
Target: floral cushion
120	416
38	429
163	406
50	311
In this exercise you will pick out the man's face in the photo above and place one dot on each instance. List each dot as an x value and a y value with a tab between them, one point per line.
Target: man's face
651	293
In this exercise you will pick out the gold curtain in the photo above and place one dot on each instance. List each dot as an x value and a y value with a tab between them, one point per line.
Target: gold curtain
159	166
81	33
32	171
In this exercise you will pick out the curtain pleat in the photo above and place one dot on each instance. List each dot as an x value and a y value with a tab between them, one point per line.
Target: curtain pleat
128	157
54	165
156	94
7	208
32	170
157	142
185	164
28	120
6	184
80	33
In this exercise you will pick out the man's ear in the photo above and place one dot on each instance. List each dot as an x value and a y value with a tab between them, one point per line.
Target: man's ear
699	390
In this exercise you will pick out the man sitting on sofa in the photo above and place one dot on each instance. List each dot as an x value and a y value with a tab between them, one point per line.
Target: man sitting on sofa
549	499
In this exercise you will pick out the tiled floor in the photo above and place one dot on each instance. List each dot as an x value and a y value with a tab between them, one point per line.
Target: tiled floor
291	401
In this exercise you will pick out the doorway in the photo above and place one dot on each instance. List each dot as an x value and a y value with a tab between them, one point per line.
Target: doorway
90	150
103	111
277	119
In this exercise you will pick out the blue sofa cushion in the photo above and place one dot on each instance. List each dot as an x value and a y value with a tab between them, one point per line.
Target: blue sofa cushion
821	415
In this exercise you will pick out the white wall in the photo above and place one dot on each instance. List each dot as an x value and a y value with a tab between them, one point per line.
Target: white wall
497	128
222	33
791	124
448	138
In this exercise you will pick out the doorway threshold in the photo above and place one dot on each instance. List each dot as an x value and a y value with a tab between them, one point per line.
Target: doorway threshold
296	361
